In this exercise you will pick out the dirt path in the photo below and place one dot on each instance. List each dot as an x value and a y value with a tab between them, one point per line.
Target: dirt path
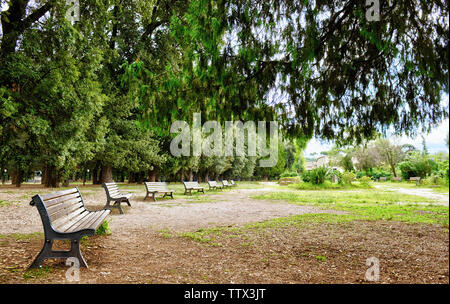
440	199
231	207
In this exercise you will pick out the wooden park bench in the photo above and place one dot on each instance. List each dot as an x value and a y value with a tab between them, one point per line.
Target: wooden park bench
64	217
396	179
189	186
382	179
225	183
214	185
113	194
232	183
416	179
157	187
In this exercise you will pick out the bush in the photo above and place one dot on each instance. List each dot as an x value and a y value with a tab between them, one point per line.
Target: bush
289	174
365	180
317	176
348	177
417	165
103	229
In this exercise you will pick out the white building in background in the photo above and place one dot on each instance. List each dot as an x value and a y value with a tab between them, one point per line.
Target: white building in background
322	161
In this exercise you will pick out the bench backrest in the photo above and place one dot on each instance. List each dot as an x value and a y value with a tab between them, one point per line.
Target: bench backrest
231	182
59	210
396	178
189	185
156	186
416	178
383	178
225	183
112	190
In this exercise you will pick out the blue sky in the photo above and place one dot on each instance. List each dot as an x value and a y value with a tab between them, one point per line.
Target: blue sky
435	141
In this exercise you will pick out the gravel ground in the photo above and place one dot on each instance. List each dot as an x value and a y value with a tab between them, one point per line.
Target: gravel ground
231	207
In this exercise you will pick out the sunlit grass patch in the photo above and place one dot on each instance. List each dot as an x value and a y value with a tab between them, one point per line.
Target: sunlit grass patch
369	205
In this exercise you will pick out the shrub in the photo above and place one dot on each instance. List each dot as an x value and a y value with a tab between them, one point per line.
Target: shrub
365	180
289	174
318	175
348	177
103	229
417	165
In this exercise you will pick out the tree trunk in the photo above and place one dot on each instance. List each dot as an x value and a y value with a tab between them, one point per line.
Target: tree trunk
95	173
191	175
52	178
140	178
266	178
207	176
84	176
131	178
152	175
2	172
44	176
17	178
393	170
106	174
182	175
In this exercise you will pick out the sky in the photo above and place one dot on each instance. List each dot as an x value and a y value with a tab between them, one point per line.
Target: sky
435	140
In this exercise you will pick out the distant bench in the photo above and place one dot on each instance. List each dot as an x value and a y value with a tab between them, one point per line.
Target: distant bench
157	187
382	179
232	183
214	185
396	179
113	194
189	186
225	183
416	179
64	217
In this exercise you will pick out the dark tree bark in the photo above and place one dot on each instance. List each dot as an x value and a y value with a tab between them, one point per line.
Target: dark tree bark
52	178
152	175
106	176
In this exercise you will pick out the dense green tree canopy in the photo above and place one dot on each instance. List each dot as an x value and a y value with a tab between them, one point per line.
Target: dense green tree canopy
102	93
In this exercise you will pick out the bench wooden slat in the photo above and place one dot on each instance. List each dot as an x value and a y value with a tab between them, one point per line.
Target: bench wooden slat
65	213
58	194
74	218
90	224
80	224
56	208
100	219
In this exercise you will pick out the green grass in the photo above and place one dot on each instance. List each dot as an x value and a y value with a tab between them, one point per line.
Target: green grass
369	204
5	203
37	273
22	236
209	236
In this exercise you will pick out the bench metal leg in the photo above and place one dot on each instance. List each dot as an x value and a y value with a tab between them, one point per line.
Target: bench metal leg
48	253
